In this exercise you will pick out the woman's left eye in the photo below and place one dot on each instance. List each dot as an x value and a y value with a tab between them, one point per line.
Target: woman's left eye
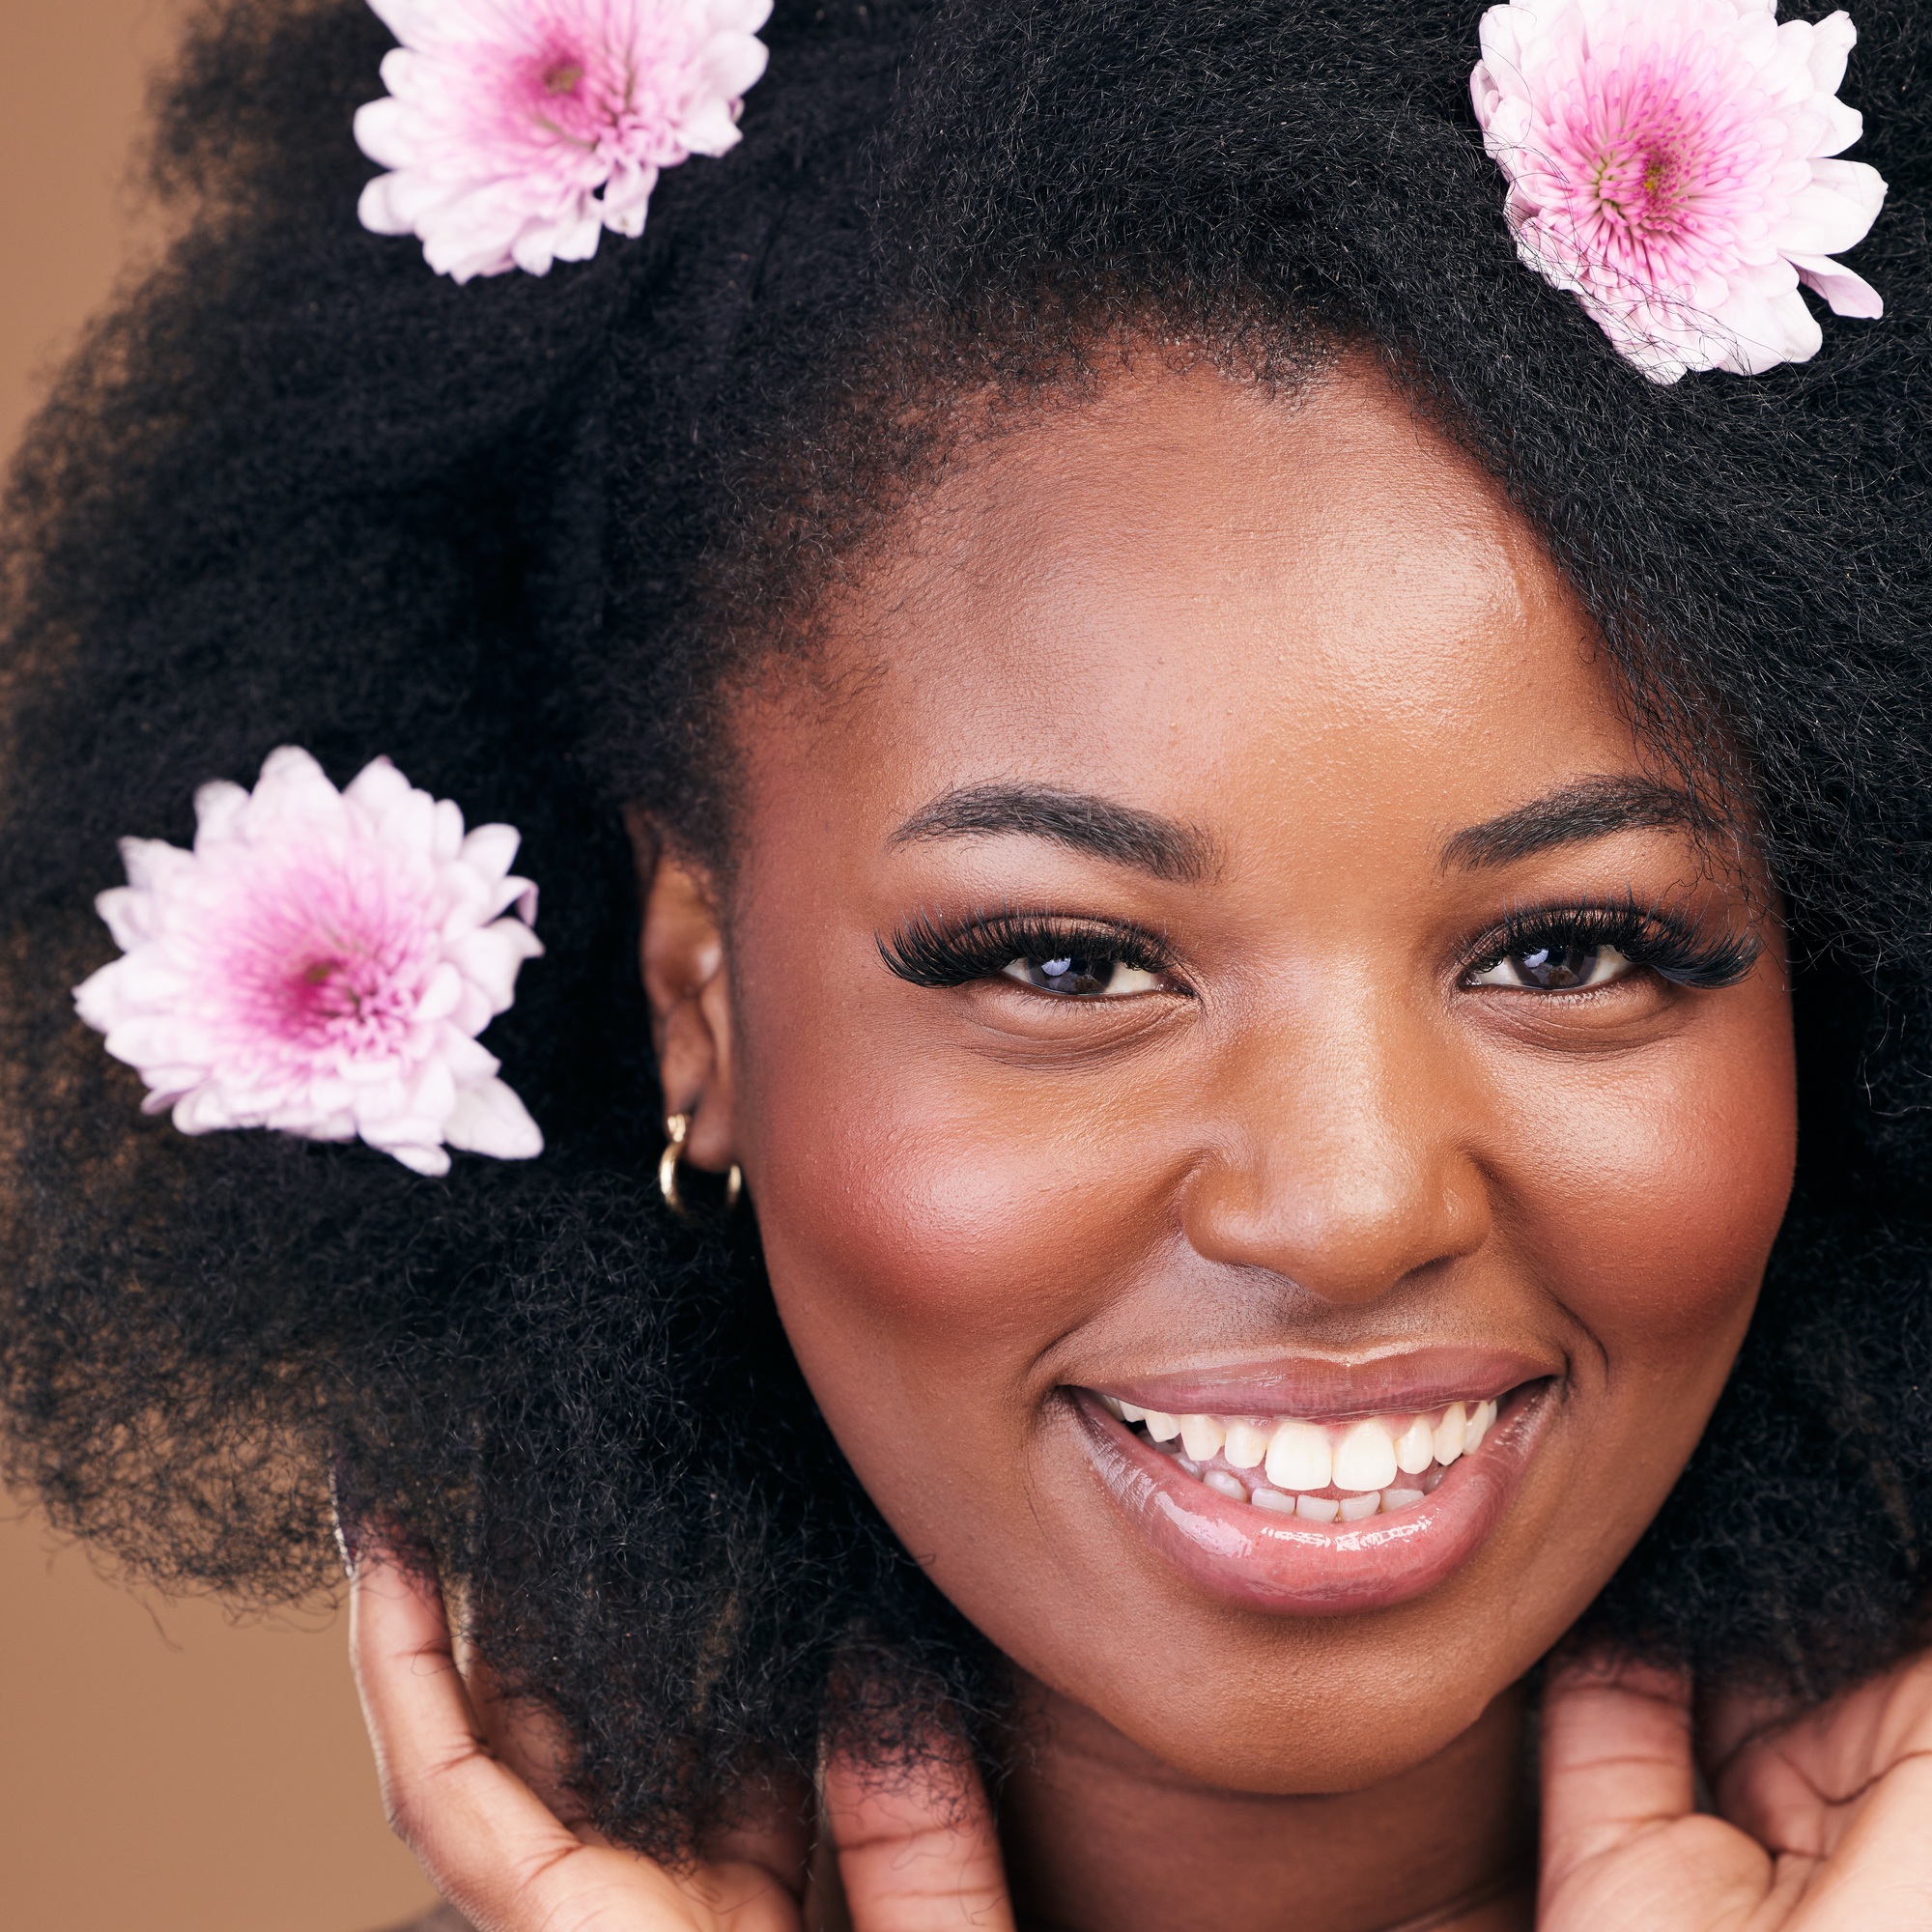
1570	966
1087	973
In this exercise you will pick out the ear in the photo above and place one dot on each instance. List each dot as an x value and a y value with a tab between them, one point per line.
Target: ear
681	953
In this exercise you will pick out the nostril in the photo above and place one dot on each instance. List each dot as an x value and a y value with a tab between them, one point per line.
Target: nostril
1344	1224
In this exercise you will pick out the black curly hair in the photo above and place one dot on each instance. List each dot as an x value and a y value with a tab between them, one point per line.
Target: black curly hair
520	535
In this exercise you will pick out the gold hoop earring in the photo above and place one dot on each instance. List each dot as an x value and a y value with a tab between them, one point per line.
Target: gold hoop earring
678	1126
677	1131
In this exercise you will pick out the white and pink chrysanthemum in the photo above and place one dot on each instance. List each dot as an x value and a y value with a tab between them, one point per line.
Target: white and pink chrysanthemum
321	963
1670	162
517	130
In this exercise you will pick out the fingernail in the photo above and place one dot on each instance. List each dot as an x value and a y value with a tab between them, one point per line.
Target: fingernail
348	1534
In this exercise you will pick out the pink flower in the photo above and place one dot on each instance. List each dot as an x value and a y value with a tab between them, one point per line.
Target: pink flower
518	130
321	963
1669	163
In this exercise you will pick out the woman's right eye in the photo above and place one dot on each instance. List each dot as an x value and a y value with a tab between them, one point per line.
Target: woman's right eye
1084	975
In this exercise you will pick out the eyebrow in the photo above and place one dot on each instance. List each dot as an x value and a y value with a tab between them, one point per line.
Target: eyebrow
1575	813
1097	826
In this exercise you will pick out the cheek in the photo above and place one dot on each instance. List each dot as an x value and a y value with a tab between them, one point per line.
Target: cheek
924	1254
1649	1196
924	1243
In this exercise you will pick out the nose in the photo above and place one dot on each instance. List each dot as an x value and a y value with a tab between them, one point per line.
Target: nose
1345	1155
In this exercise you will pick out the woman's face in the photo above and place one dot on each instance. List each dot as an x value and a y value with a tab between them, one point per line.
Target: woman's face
1209	946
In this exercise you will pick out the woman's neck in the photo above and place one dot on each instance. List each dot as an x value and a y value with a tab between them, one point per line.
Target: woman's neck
1099	1834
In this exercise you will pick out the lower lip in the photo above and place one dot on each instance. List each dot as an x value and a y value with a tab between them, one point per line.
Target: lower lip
1313	1570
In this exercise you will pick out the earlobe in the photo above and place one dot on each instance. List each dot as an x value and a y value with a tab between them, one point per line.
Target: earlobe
681	954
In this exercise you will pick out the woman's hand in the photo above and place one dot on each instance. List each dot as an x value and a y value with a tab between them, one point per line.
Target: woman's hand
1826	1821
913	1857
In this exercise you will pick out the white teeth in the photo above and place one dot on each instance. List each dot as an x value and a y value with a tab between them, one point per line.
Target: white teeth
1299	1456
1416	1448
1383	1463
1366	1458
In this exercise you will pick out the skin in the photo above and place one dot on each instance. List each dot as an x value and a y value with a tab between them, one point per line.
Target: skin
1315	643
1314	635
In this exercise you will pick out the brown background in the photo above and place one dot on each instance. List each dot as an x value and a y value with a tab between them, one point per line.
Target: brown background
162	1769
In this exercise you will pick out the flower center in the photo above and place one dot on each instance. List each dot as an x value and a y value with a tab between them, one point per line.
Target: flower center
1657	162
1645	190
349	995
562	78
327	960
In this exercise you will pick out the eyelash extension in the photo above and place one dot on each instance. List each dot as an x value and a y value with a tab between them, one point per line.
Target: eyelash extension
931	951
1661	941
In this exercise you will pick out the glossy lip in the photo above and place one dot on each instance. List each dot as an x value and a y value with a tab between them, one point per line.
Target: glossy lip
1291	1568
1411	1383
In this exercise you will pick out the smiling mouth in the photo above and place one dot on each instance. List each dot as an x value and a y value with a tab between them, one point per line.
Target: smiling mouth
1326	1515
1317	1471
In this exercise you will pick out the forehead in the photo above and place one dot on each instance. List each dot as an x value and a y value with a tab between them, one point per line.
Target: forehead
1183	587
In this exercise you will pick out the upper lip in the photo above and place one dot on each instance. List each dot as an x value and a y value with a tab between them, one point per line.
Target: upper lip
1321	1388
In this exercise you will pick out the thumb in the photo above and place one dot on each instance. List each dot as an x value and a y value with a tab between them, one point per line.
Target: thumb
1623	1847
918	1851
1616	1761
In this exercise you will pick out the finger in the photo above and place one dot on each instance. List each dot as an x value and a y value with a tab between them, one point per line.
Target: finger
474	1826
1836	1781
523	1737
1734	1722
488	1843
1880	1872
918	1851
1616	1759
1764	1772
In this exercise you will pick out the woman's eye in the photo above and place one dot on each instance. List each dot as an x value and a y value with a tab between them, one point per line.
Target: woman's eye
1560	967
1089	974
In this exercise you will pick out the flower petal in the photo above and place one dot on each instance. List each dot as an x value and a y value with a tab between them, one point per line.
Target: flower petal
490	957
733	64
1670	162
1823	221
318	963
489	1119
377	788
491	849
125	912
217	810
381	130
1855	182
442	996
430	1161
1832	40
494	163
1845	292
1842	126
737	16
